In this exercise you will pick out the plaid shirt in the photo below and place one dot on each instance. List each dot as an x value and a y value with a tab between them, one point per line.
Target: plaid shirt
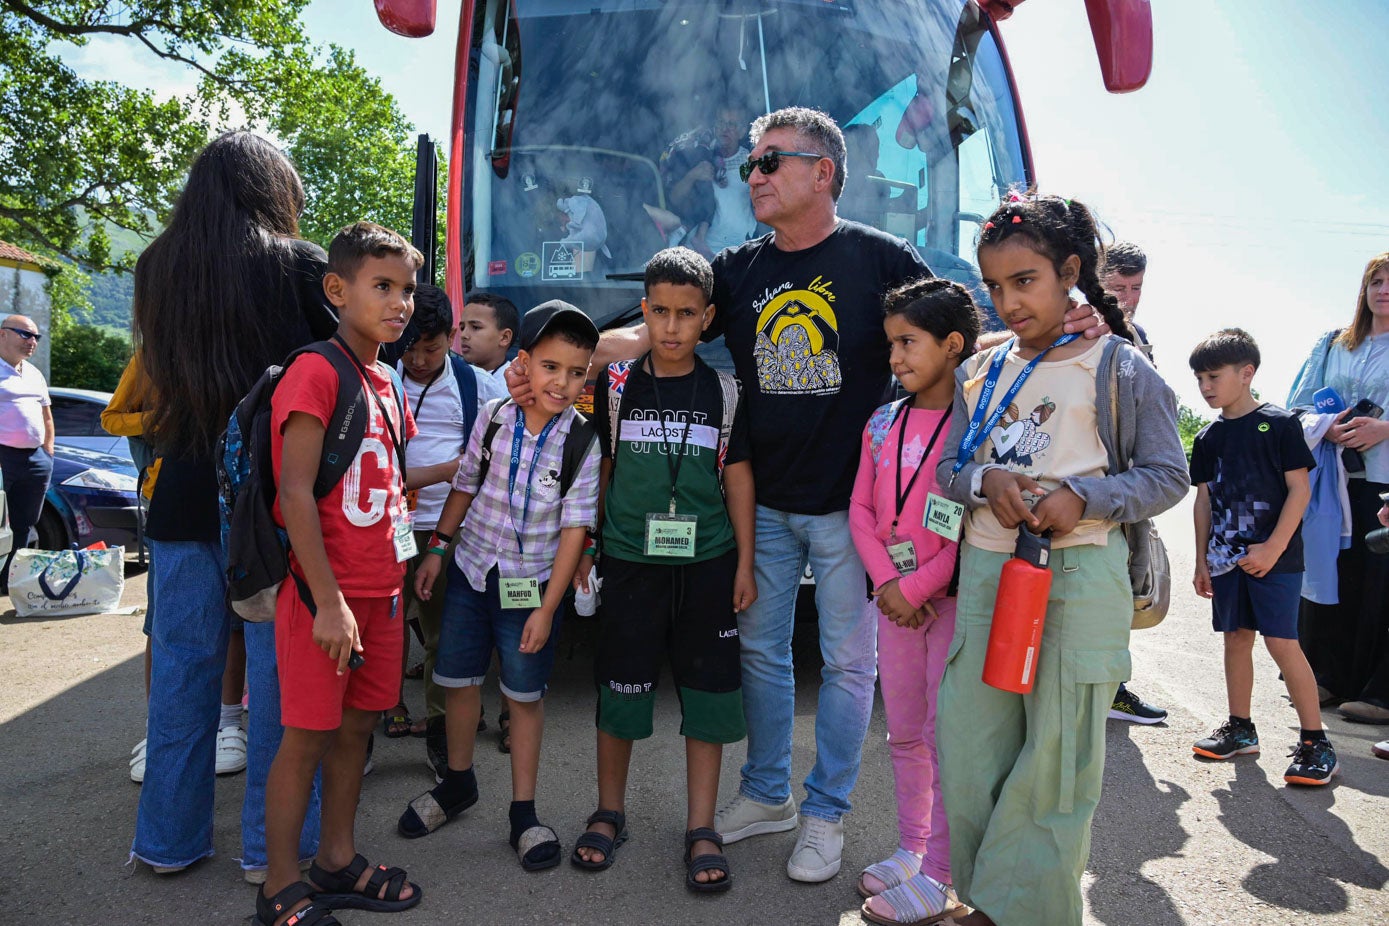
488	536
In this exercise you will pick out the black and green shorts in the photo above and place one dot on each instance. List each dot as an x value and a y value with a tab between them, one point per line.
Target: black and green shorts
685	611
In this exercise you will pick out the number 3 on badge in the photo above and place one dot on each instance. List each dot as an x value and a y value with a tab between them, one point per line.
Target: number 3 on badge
944	517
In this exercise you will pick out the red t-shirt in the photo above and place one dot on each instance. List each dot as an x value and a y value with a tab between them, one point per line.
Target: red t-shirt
358	516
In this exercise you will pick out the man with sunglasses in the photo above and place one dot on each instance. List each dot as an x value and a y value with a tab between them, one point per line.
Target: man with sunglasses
801	313
26	430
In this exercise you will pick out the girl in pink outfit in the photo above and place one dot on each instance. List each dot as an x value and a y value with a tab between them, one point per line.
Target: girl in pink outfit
932	326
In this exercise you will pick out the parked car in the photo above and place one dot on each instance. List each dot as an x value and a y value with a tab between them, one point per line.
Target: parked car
77	421
91	497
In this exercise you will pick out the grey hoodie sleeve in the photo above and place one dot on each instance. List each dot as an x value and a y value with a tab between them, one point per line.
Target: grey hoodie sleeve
958	489
1156	476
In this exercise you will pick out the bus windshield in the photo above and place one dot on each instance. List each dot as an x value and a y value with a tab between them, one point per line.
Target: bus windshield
598	133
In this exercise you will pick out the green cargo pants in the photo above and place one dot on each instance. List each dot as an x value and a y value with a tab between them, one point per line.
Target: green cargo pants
1021	774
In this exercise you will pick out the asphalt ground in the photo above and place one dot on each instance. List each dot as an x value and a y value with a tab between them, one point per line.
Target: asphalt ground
1177	840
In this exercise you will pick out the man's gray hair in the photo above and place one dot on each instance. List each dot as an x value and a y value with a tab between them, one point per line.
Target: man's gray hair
818	133
1125	258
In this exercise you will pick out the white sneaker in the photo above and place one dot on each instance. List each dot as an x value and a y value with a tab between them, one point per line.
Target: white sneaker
818	849
742	817
258	875
137	762
231	750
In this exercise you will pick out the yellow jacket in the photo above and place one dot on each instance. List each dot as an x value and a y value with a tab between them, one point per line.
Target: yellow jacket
127	414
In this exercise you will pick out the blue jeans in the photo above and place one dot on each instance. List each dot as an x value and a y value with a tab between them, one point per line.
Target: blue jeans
262	742
474	626
785	543
173	825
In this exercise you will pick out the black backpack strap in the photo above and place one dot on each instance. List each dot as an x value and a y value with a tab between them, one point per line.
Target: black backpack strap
494	423
348	424
467	390
582	434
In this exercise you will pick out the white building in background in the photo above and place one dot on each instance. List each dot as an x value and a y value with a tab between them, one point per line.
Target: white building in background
24	291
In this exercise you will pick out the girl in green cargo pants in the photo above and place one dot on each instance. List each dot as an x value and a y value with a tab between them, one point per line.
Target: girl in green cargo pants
1020	774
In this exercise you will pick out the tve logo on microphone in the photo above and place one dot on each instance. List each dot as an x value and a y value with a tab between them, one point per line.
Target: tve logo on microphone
1328	401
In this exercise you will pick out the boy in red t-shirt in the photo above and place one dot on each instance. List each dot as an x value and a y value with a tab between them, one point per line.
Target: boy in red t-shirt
349	548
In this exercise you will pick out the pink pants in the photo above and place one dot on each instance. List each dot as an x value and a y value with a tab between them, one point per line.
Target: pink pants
910	665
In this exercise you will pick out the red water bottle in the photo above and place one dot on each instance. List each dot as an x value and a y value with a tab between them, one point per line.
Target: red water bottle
1020	610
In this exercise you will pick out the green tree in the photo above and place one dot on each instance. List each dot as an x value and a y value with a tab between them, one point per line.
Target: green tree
1189	424
114	155
82	356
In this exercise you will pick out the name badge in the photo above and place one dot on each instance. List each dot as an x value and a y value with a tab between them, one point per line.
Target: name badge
520	593
405	547
903	556
943	517
670	534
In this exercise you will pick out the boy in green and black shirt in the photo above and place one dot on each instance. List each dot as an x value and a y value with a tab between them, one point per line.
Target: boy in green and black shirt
676	517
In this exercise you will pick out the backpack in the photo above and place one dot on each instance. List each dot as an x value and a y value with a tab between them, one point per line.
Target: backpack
1150	573
581	436
256	548
467	389
882	422
617	382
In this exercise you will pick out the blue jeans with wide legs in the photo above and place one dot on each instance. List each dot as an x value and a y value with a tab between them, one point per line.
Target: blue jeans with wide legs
188	639
785	543
263	741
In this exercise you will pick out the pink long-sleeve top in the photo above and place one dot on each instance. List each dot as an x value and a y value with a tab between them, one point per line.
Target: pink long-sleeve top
873	505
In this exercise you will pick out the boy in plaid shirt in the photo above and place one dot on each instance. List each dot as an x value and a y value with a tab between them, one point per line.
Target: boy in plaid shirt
517	551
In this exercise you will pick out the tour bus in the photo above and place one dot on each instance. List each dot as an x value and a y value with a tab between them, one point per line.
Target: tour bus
573	119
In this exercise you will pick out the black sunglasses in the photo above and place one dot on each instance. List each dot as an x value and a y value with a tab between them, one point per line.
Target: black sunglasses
26	335
770	161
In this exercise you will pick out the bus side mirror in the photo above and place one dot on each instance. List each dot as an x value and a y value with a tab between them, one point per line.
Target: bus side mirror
413	19
1123	31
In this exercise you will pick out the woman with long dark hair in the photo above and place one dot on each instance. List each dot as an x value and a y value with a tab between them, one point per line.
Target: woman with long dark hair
1347	643
225	290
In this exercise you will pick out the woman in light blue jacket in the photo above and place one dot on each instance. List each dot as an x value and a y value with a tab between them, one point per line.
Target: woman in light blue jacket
1348	643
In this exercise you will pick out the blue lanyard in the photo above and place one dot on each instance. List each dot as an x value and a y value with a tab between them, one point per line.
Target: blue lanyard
978	427
516	468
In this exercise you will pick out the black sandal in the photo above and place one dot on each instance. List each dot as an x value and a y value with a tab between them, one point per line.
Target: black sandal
338	889
537	848
504	728
600	842
710	862
269	909
425	814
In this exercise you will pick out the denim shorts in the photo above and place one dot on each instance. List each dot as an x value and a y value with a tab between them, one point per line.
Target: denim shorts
474	624
1268	604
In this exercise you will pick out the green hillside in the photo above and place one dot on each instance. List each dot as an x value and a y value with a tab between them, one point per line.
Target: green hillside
111	293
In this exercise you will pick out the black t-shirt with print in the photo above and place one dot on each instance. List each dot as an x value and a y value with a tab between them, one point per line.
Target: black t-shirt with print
1243	461
805	329
641	476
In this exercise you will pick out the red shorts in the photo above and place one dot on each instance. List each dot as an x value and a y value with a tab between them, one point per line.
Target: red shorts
312	694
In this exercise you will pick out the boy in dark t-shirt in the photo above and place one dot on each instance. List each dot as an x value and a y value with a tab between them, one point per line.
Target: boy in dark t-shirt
1250	468
677	560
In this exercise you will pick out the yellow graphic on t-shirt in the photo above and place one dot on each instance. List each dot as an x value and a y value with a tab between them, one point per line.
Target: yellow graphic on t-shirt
797	345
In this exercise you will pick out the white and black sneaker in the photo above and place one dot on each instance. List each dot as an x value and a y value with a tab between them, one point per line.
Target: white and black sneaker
1130	707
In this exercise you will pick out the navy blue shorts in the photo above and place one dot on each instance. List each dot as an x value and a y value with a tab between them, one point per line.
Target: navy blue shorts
1268	604
474	624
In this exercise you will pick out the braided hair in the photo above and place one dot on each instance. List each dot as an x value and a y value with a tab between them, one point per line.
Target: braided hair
1057	228
938	307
